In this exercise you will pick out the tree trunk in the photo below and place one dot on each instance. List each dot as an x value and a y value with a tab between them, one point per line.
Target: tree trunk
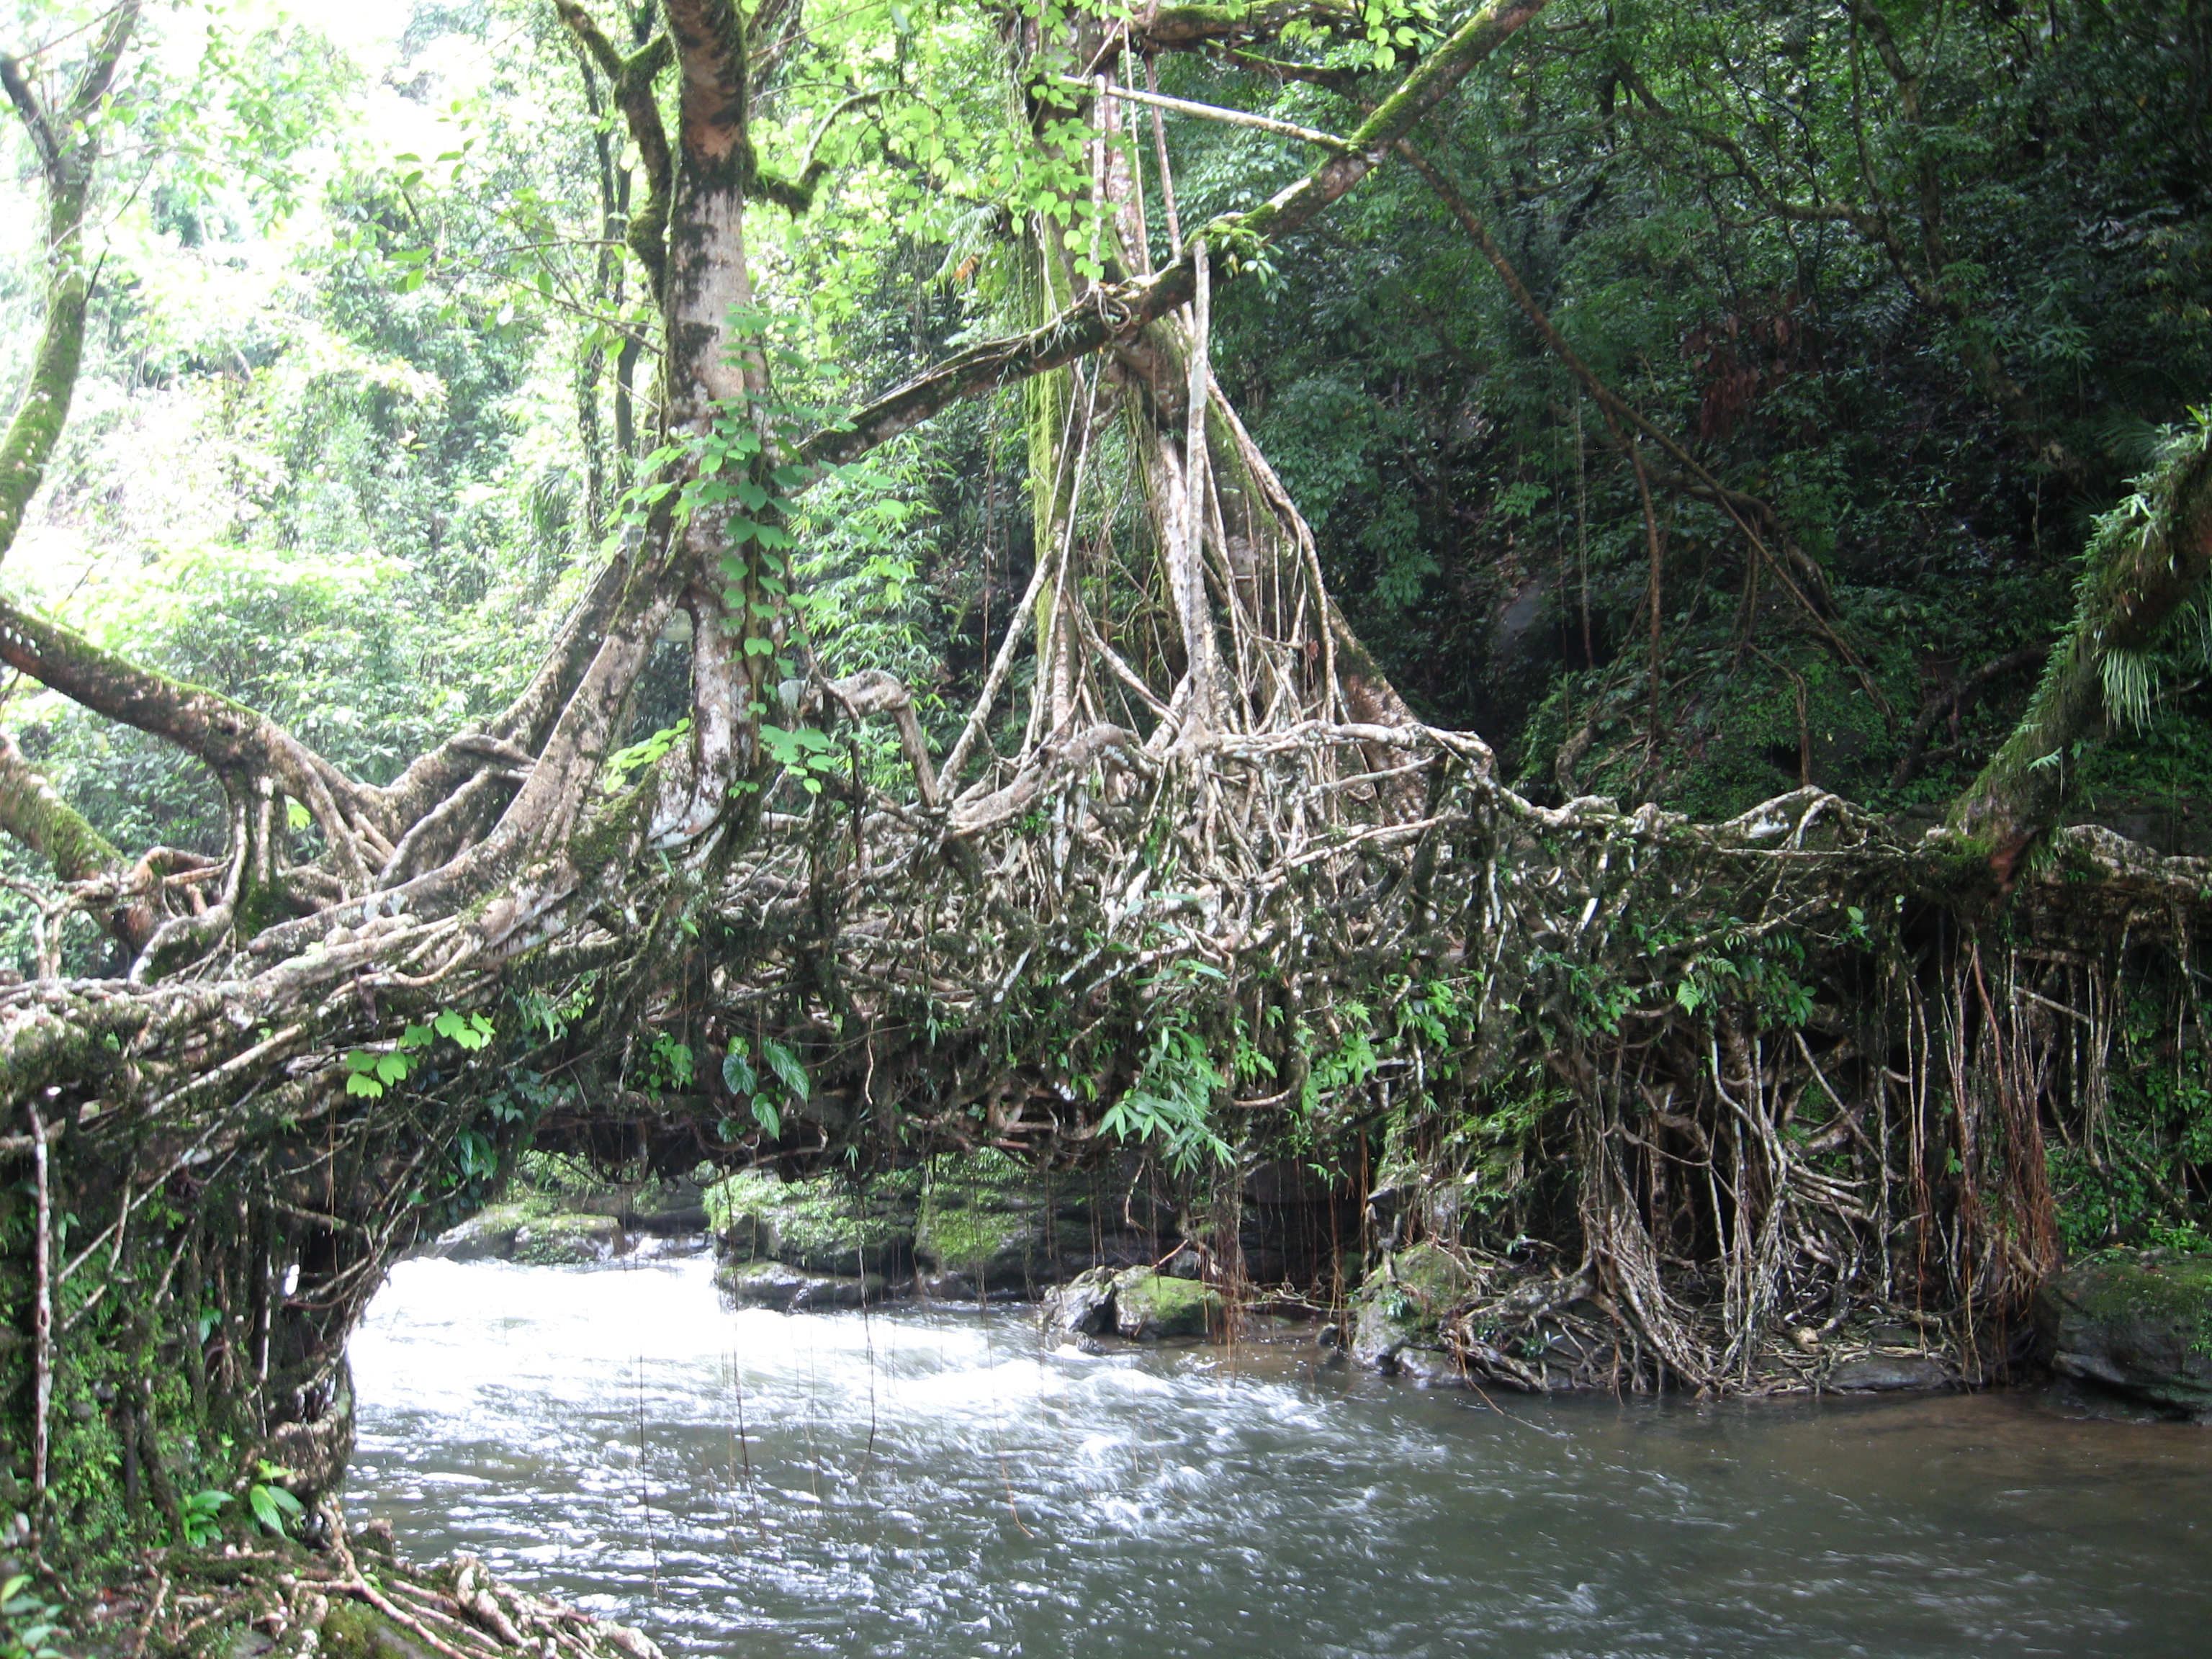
2145	566
67	149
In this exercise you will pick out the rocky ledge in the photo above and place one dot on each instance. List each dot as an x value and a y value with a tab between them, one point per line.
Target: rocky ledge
2138	1326
983	1227
555	1224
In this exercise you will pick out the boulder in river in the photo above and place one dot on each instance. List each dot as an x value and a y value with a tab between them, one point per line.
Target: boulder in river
1877	1373
1138	1303
987	1217
779	1285
1084	1306
2139	1324
488	1235
824	1226
1402	1304
1430	1368
563	1240
528	1232
1149	1306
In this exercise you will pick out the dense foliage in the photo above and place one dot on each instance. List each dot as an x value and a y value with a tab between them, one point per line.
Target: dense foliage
1703	403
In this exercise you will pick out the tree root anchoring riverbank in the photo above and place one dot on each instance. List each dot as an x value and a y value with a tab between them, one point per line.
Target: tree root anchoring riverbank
1738	1079
350	1597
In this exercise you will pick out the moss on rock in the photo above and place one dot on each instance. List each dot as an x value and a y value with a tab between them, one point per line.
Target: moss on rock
987	1217
568	1239
2143	1327
1403	1302
1149	1306
792	1289
822	1226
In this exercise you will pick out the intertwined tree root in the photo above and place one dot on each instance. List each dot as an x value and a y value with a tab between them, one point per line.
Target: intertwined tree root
1740	1078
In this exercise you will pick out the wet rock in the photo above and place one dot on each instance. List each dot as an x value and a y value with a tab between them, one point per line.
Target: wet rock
1082	1307
986	1216
527	1232
558	1240
1403	1302
1430	1368
488	1236
824	1226
1891	1374
664	1208
792	1289
2142	1326
1149	1306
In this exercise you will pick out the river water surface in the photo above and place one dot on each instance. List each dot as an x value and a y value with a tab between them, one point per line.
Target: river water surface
930	1483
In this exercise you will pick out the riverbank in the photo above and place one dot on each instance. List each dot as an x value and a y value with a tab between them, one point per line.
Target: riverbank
1122	1252
931	1481
347	1594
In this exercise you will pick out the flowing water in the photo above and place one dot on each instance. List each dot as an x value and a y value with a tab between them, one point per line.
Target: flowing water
928	1482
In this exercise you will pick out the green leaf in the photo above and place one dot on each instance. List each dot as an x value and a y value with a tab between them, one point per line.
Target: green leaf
738	1075
784	1062
272	1506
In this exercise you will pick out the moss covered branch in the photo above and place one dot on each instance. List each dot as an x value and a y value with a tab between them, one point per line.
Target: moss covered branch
632	79
33	811
68	149
2143	575
1117	310
236	741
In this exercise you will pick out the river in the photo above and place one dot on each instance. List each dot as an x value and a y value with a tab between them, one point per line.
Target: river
927	1482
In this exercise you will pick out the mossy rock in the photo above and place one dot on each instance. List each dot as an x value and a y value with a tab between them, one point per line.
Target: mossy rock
1082	1307
779	1285
1403	1302
986	1218
2143	1327
562	1241
666	1206
1149	1306
824	1226
487	1236
490	1234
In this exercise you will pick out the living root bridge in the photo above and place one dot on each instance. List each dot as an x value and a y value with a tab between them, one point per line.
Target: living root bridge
1742	1077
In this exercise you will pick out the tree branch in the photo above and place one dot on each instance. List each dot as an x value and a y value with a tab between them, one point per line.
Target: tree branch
1173	27
1734	504
237	742
33	811
67	165
1117	312
631	79
2146	563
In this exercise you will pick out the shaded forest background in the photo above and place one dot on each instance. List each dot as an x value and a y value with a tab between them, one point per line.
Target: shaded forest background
328	453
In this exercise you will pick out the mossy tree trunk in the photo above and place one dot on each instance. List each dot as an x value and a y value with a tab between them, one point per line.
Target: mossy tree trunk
2143	582
65	141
